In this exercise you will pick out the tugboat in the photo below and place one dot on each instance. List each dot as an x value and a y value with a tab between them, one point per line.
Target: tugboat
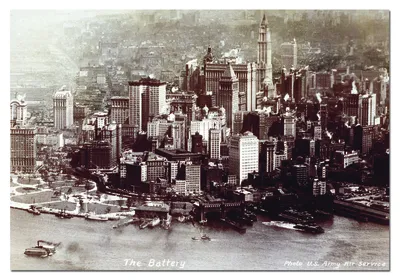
311	228
63	215
32	209
42	251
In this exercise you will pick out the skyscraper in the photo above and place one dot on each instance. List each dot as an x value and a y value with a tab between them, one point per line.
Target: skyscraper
243	155
18	112
147	98
192	177
368	110
63	109
245	73
112	134
228	95
119	109
289	125
267	156
214	144
289	54
23	149
264	56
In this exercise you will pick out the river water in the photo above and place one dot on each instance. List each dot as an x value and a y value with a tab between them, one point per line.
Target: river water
91	245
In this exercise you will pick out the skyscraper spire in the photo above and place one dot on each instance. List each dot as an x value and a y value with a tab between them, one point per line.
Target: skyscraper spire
264	20
264	55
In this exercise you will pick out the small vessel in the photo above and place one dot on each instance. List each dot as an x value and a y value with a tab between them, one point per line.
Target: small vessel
42	250
203	222
63	215
34	210
309	228
204	237
323	214
181	219
144	224
166	223
94	217
251	216
155	222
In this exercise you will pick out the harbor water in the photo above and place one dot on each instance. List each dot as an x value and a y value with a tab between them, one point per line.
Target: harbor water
93	245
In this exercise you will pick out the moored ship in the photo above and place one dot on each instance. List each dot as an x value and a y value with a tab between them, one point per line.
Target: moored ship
94	217
33	210
309	228
63	215
294	216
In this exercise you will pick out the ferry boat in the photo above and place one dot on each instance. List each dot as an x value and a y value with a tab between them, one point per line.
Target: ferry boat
33	210
42	250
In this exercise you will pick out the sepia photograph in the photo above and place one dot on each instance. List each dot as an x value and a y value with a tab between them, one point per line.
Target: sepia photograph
199	140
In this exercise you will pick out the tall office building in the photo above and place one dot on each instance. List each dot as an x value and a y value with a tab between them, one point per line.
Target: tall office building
112	133
197	143
317	132
289	54
23	149
18	112
289	125
264	56
119	109
368	110
267	157
324	116
245	73
258	122
300	175
63	109
228	95
243	155
192	177
214	144
147	98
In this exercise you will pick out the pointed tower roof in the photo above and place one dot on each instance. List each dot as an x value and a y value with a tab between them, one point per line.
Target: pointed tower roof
264	20
229	73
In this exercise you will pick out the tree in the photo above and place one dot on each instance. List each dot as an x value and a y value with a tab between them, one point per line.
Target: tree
108	209
69	191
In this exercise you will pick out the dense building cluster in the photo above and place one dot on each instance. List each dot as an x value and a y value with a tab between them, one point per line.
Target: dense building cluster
223	124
